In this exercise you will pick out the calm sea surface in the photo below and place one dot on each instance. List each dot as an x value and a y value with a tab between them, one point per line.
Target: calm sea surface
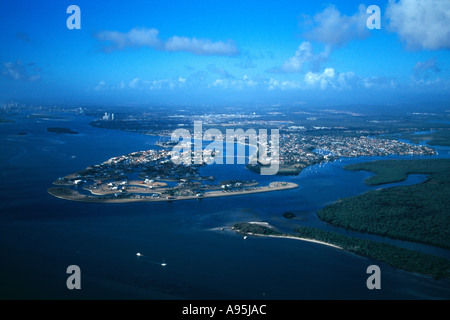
40	236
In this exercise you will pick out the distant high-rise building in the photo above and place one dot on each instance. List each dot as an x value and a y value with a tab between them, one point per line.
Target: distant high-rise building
108	116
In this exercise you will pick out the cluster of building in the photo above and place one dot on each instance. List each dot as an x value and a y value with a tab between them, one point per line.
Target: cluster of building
140	157
215	118
294	148
309	150
152	164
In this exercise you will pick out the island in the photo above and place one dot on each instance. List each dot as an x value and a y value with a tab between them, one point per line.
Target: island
61	130
289	215
419	213
151	176
401	258
433	137
298	151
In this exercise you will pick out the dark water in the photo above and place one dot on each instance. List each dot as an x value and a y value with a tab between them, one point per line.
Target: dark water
40	236
444	122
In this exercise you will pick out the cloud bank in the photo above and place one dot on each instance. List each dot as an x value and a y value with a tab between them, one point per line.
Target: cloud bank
305	56
426	67
335	29
421	24
330	28
144	37
19	72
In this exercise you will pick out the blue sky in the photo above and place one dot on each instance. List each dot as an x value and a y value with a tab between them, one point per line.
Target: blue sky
224	52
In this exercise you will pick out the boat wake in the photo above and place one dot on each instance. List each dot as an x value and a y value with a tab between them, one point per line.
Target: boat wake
147	259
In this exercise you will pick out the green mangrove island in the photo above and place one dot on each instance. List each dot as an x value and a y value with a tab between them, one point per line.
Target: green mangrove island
433	138
405	259
61	130
419	213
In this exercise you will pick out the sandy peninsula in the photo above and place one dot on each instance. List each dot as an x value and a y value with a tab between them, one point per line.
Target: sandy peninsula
267	226
75	195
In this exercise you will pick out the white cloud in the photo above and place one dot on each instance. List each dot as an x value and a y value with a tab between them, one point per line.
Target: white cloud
274	84
305	56
100	86
136	37
20	72
333	28
327	79
438	82
201	46
380	83
312	78
221	71
332	79
161	84
426	70
144	37
134	83
348	80
426	74
140	84
421	24
248	60
164	84
226	83
220	83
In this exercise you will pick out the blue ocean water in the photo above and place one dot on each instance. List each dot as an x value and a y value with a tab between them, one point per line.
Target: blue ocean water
40	236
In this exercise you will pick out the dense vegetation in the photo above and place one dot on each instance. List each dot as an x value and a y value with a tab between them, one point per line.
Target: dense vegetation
254	228
289	215
397	257
390	171
418	213
401	258
436	138
283	169
61	130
